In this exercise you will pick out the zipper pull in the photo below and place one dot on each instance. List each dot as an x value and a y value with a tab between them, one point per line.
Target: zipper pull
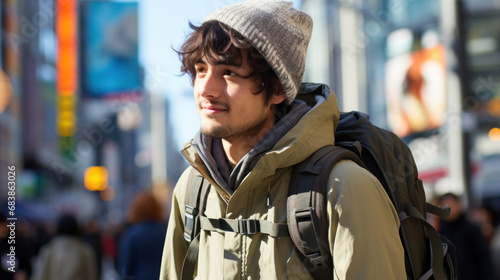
268	197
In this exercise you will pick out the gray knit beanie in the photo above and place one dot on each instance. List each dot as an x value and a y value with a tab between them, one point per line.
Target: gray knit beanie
278	31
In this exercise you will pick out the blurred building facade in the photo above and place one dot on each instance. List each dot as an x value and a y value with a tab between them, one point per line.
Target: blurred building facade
77	100
428	71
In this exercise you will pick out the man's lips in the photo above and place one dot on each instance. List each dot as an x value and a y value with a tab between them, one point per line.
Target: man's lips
210	109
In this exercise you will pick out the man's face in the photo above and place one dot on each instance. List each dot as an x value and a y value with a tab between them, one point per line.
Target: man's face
228	107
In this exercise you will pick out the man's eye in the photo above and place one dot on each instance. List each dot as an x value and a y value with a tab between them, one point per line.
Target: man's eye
200	70
229	73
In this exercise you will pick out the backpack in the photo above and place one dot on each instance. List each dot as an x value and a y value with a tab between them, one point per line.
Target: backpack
390	160
427	254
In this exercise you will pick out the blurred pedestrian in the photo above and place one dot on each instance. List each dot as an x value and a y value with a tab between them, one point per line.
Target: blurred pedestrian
92	236
141	244
42	236
110	247
483	216
66	256
473	255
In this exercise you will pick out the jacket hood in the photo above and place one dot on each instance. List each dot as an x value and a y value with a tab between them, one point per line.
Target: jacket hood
314	130
308	125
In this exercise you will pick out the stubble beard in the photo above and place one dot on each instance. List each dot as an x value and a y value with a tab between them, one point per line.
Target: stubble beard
229	132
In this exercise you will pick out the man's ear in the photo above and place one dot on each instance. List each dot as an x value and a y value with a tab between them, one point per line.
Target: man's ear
279	92
277	99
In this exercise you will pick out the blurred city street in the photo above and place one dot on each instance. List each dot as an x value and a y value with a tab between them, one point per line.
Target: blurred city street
94	111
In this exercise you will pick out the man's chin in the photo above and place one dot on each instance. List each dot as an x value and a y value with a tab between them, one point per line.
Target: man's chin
215	132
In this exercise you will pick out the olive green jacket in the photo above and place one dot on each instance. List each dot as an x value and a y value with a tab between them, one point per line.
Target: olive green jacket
363	229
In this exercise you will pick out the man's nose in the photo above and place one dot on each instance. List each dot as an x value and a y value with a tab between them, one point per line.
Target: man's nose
209	85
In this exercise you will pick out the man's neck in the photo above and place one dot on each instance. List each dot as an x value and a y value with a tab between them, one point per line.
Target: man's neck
236	149
238	146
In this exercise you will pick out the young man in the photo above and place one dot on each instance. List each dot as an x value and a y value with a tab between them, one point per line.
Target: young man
247	62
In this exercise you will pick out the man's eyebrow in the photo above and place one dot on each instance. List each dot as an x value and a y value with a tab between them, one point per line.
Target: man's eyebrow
228	63
222	62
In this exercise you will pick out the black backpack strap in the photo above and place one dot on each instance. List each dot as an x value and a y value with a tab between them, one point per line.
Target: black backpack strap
190	259
450	258
438	211
306	208
436	246
196	198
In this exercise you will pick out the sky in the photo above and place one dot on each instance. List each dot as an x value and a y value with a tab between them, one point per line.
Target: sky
163	25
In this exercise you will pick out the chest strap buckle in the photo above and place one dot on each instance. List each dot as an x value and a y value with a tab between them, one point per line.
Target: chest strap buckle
248	226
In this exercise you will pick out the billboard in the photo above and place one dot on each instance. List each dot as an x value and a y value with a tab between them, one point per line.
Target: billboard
415	81
110	49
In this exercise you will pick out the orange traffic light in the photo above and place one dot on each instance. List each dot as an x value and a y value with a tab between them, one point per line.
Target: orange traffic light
96	178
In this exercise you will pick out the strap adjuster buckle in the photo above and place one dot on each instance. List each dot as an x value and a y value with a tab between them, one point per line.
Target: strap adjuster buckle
189	222
248	226
317	260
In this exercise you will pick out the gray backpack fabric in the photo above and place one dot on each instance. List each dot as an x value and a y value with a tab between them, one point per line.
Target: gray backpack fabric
427	255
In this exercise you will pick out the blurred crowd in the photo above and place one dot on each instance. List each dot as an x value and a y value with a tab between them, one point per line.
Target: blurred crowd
69	248
475	238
